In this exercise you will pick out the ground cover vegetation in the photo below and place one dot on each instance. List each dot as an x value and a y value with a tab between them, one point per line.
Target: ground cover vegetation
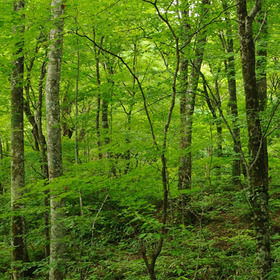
139	139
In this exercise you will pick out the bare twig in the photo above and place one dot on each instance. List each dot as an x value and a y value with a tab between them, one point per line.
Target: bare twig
94	221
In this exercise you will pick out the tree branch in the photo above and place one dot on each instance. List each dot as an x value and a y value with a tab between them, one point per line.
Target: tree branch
257	7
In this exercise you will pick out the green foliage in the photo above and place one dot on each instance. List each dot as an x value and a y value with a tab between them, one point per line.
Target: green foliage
113	202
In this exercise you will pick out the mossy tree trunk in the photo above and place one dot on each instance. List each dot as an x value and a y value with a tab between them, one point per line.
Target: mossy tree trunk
257	171
19	252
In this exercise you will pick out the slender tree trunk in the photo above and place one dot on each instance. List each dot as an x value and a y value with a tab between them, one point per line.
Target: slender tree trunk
76	105
187	104
19	251
57	245
97	126
261	46
258	173
129	113
217	117
76	122
127	140
29	114
105	112
231	80
98	80
44	158
31	119
66	110
105	120
185	168
218	122
38	119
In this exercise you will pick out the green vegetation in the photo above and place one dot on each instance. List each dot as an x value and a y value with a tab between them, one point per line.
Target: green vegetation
167	154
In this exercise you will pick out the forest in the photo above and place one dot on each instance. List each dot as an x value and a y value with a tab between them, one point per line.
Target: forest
140	139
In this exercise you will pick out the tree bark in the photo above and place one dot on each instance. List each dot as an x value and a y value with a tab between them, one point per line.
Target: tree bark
19	251
261	46
57	246
258	173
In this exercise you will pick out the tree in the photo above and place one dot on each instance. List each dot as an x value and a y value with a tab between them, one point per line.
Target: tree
257	171
57	246
231	80
19	253
187	101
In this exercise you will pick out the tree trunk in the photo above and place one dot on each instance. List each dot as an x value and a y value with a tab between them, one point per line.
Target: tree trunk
231	80
187	103
105	110
98	80
66	110
19	252
185	168
76	105
29	114
57	246
44	158
258	173
261	46
105	122
217	117
105	119
129	113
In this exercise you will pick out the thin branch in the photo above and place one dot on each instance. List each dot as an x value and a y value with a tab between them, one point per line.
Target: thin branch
108	7
173	93
261	27
205	25
165	19
35	170
96	216
257	7
164	97
270	132
162	56
265	134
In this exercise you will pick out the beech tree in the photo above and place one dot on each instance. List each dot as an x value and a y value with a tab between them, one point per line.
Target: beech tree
257	170
57	246
19	251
